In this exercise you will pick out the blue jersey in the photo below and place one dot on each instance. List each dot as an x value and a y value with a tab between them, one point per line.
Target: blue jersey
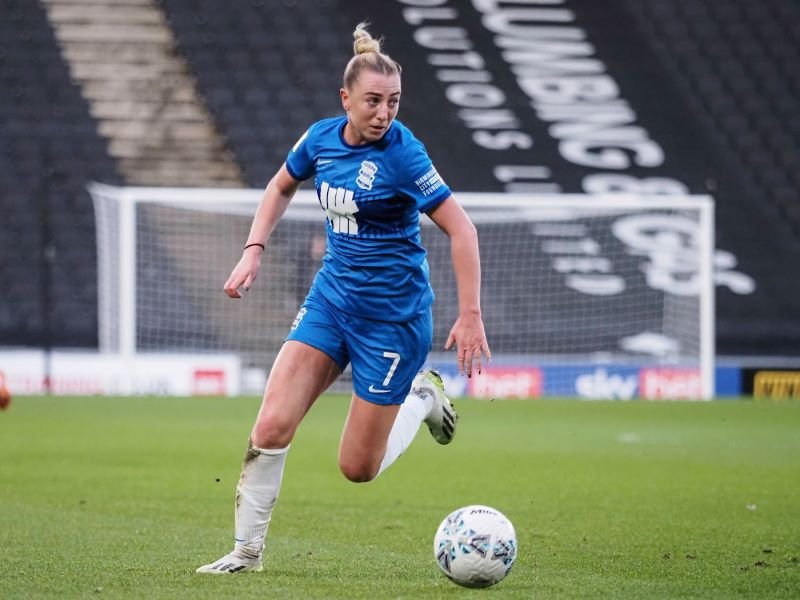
372	194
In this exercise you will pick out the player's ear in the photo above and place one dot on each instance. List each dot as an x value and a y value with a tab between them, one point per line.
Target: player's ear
345	99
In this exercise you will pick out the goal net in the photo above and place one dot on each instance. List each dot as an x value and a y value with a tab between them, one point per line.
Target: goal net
590	296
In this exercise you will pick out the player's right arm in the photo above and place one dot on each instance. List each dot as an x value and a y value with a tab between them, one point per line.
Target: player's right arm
274	201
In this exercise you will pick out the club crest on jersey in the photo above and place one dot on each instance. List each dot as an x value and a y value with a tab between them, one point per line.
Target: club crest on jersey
366	175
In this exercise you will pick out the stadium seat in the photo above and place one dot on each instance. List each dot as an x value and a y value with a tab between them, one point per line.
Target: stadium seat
53	143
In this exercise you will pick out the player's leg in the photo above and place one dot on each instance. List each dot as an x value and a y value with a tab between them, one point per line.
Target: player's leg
425	403
441	417
385	359
375	435
301	372
364	438
299	376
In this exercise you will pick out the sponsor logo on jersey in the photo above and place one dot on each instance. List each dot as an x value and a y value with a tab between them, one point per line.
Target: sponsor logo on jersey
366	175
340	208
430	182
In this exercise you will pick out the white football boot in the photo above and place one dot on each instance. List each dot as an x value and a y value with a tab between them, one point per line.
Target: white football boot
232	563
442	418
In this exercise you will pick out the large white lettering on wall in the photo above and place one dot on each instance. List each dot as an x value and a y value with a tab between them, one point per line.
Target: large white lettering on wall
546	114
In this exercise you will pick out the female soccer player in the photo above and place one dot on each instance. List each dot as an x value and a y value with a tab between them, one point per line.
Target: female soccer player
370	303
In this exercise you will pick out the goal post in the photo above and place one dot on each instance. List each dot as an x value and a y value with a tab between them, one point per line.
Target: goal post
583	295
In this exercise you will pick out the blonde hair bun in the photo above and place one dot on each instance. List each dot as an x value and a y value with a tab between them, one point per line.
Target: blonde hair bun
367	56
364	42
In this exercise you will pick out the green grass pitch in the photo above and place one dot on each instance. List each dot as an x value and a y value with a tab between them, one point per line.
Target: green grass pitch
124	498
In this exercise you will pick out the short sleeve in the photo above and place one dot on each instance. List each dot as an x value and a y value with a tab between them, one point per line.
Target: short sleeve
420	180
299	161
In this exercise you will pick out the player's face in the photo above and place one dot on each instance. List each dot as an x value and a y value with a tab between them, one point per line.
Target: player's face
371	105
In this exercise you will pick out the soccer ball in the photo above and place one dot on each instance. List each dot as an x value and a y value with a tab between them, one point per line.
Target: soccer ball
475	546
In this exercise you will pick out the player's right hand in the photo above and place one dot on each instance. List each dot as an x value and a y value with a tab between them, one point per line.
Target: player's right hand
244	273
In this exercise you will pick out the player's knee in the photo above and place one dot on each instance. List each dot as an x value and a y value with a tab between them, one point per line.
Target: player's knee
272	433
358	471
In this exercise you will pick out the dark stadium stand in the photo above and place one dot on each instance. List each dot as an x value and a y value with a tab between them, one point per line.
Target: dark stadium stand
756	45
49	150
737	66
714	82
725	71
738	63
265	73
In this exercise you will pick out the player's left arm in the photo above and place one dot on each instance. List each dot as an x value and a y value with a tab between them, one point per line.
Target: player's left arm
468	334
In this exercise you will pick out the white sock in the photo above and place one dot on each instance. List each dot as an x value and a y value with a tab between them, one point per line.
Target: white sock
256	495
413	411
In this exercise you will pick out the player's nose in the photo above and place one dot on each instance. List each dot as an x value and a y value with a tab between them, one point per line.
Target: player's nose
383	112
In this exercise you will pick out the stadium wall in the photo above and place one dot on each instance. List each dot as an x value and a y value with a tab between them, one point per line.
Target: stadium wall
82	373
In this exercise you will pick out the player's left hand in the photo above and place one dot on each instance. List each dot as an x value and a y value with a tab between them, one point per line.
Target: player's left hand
469	339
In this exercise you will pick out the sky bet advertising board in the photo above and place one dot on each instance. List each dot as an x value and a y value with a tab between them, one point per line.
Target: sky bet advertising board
588	382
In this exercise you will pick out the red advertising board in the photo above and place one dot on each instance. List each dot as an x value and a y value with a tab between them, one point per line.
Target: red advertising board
507	382
674	384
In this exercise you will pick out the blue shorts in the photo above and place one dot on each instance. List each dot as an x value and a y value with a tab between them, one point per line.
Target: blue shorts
385	356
